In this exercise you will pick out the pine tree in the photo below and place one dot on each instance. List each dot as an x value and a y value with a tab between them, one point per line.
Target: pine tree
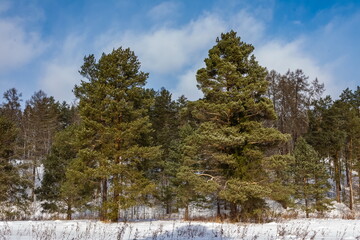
39	125
351	114
12	184
115	130
327	136
230	144
190	185
311	178
165	119
63	151
11	108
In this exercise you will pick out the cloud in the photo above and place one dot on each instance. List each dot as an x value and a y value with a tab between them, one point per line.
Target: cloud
18	46
174	53
335	44
187	85
247	26
284	56
167	50
176	50
164	10
60	74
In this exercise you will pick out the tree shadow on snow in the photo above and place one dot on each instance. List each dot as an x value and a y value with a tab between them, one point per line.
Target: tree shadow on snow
194	232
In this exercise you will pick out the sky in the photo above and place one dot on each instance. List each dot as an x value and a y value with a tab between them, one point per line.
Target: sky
43	42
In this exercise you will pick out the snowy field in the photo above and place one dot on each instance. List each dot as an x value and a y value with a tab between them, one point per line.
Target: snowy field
151	230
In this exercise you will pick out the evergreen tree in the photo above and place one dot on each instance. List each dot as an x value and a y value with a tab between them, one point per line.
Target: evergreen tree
39	125
11	108
67	115
63	151
190	184
12	185
230	143
311	178
327	135
165	119
115	130
351	114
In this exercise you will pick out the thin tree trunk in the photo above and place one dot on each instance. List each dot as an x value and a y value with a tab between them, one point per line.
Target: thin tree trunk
337	177
218	213
115	209
233	211
306	199
68	212
349	176
33	196
187	215
103	210
115	213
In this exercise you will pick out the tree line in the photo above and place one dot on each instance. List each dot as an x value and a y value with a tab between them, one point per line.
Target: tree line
256	135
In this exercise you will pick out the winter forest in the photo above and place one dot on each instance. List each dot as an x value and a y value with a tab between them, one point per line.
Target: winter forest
123	151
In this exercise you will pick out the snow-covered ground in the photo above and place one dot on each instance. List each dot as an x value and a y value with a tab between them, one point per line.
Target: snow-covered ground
151	230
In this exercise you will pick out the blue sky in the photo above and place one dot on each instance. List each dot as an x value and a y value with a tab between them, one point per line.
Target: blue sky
43	42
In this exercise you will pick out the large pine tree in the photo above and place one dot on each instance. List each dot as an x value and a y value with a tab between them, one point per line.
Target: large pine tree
230	146
115	132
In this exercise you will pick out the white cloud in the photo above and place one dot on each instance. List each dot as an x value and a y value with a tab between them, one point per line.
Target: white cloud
180	51
283	56
60	74
187	85
247	26
172	50
164	10
167	50
18	46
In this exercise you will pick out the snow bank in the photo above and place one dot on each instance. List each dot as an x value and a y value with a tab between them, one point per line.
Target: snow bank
91	230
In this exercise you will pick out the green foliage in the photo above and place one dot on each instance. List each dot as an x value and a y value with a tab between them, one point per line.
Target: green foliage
230	143
124	145
63	151
12	184
77	187
311	178
115	133
165	116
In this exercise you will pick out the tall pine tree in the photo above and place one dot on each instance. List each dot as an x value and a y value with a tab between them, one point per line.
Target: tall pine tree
115	130
231	142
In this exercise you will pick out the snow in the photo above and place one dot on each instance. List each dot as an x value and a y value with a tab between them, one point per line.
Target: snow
181	230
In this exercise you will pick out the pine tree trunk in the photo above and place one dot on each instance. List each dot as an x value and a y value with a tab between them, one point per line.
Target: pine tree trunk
349	177
306	198
337	177
33	196
68	212
103	209
307	207
233	212
351	192
168	208
187	216
115	208
218	213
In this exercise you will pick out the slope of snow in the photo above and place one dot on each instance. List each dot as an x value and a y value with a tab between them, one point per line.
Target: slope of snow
152	230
